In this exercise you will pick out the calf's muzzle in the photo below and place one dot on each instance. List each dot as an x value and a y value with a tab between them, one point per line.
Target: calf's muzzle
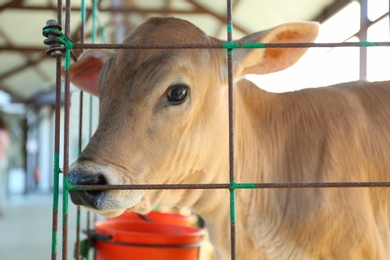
87	198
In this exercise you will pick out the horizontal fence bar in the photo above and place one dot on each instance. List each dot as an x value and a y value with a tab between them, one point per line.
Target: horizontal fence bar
233	186
229	45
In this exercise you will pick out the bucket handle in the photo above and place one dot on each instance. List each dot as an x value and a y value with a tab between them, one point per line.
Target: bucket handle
107	238
100	237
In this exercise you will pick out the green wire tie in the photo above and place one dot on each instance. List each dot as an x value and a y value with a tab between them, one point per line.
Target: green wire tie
56	38
234	186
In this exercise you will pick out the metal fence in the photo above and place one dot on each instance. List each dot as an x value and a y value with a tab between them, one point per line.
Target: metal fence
61	45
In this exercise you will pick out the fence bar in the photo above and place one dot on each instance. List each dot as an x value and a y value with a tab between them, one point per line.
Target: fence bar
90	215
283	185
66	139
364	24
56	170
231	130
80	143
229	45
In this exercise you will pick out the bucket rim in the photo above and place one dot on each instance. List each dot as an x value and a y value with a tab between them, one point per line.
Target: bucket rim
155	245
195	231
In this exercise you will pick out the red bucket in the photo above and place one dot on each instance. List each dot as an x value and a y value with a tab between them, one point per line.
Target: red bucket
122	239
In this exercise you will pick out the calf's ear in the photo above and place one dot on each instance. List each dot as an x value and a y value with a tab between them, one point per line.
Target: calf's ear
267	60
84	73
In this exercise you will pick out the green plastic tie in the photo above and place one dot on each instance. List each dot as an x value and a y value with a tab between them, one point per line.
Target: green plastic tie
61	37
83	11
367	44
84	248
230	45
56	180
232	205
253	45
94	20
243	185
69	186
103	33
56	172
229	28
54	236
234	186
63	40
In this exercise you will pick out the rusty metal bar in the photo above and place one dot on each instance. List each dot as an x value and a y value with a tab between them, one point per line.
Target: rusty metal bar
56	170
230	88
233	45
80	141
232	191
364	24
282	185
201	46
66	140
78	231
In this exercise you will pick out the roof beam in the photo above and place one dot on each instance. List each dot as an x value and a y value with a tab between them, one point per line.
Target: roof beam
27	64
221	18
22	48
12	4
123	9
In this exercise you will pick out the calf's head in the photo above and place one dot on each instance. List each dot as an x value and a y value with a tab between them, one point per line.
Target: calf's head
163	113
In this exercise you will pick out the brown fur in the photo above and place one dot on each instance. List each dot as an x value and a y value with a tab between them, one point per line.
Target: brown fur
335	134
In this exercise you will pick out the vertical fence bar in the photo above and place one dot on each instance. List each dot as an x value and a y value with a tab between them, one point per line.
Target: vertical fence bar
56	170
364	24
231	133
95	6
66	138
78	229
95	31
80	143
94	39
94	20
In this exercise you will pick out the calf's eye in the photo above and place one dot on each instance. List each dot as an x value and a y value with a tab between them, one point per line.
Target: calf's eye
177	94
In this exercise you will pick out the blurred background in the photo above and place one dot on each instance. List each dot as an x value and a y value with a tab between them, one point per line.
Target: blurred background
27	82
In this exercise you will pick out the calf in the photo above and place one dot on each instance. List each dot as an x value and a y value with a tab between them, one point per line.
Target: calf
164	119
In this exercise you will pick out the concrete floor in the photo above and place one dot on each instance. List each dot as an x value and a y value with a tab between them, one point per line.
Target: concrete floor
25	228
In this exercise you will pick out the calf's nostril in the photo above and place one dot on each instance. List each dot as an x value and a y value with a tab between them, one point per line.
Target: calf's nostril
90	179
98	180
86	197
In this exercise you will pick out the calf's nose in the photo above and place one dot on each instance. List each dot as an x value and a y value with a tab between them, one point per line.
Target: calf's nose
86	197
